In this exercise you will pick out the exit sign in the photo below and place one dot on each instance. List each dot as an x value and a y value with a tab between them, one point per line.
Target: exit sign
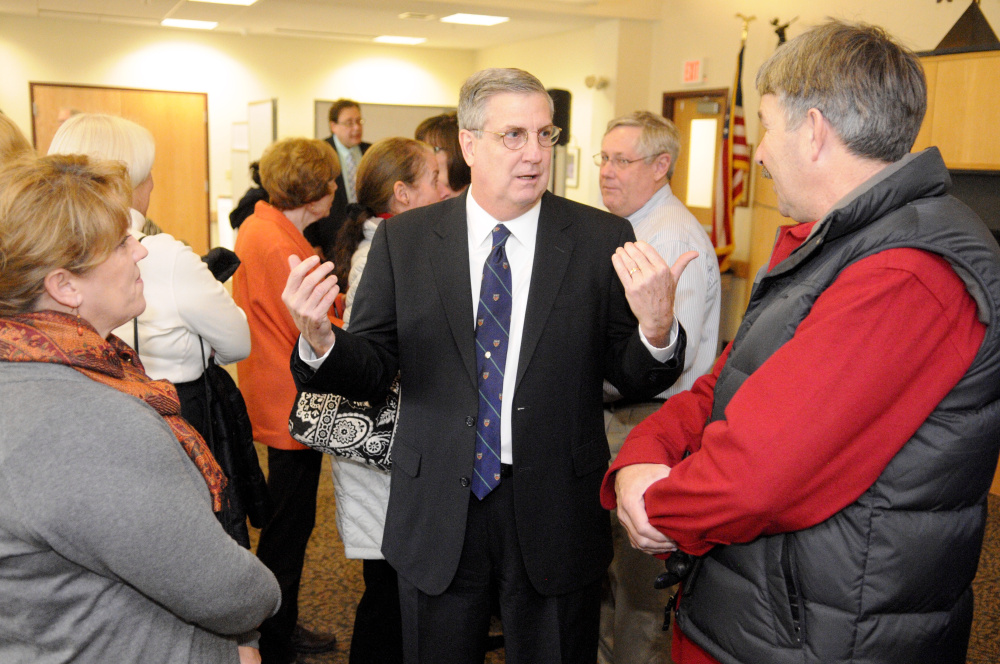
693	71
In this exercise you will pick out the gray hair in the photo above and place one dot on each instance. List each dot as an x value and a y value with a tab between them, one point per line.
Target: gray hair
482	85
871	89
108	137
658	136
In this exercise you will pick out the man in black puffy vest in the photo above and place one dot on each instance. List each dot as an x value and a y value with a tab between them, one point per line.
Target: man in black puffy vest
830	475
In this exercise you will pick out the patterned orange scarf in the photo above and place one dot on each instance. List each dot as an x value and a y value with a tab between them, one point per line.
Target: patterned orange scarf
56	338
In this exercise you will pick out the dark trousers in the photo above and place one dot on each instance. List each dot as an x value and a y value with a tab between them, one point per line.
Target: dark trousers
292	479
452	628
378	628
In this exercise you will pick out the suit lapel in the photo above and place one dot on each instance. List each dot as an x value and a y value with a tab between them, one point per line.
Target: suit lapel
553	248
450	260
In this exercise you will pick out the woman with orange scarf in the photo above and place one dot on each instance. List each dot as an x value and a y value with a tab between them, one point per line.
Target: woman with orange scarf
109	550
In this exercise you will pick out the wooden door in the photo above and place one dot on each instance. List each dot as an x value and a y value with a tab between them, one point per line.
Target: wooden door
179	124
684	110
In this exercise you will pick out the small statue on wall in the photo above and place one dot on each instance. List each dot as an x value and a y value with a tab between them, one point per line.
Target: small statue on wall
779	29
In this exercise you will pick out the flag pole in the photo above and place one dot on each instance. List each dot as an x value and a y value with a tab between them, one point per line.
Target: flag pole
735	162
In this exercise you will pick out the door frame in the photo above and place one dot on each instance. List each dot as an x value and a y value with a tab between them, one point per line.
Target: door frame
670	97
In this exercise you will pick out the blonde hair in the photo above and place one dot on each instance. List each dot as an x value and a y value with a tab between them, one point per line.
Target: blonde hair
108	137
298	171
59	211
12	142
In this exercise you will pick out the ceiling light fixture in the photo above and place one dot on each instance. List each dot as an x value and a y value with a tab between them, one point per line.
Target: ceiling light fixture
241	3
475	19
405	41
417	16
186	23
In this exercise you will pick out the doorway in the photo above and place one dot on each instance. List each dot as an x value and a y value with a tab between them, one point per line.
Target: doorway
699	117
179	124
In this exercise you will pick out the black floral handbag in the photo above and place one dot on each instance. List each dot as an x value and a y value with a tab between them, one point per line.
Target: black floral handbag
361	431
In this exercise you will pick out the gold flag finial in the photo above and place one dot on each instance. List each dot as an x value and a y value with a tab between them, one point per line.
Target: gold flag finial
746	25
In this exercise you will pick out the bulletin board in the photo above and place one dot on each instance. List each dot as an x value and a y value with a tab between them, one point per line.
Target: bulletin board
381	120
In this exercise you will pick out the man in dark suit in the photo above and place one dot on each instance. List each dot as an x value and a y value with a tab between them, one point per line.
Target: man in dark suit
346	130
531	527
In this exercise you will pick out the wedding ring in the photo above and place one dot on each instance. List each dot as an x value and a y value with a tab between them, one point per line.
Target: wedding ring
635	269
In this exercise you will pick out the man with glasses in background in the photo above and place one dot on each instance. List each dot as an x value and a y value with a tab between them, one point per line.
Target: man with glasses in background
504	310
637	160
346	130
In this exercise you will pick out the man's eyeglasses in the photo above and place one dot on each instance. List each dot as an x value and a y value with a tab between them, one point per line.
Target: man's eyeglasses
516	138
620	163
351	123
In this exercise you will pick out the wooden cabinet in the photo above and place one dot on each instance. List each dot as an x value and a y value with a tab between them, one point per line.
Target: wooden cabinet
963	116
963	109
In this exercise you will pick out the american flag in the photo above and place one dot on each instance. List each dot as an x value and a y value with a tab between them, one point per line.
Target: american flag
735	167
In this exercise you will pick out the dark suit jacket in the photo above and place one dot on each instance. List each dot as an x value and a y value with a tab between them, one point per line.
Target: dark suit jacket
323	232
413	312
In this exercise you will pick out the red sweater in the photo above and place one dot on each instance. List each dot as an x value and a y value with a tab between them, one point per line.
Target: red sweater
810	430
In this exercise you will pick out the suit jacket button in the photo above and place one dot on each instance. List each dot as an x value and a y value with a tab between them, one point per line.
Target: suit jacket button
464	481
470	421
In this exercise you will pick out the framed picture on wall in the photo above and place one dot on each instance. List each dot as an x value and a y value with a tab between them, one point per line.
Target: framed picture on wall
572	166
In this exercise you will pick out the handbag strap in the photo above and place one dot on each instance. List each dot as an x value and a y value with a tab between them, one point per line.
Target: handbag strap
208	394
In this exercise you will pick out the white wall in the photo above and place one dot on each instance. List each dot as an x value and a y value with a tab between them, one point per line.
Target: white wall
233	70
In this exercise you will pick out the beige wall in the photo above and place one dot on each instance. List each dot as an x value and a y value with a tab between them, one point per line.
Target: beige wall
617	50
693	29
558	62
233	70
641	59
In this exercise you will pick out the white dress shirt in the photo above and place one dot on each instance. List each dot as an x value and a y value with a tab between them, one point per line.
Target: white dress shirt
342	150
520	248
672	230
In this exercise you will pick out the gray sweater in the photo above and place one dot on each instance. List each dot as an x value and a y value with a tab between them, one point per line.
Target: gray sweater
109	551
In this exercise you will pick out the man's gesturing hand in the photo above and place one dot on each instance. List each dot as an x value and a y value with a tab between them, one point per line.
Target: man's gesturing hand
631	483
309	293
650	285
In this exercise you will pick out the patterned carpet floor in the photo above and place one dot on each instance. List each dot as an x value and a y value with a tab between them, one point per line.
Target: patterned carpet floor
332	585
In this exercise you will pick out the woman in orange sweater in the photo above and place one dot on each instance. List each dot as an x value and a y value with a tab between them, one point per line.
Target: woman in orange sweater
298	175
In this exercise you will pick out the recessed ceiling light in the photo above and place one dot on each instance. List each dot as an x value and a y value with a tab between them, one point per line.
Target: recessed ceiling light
185	23
474	19
242	3
417	16
406	41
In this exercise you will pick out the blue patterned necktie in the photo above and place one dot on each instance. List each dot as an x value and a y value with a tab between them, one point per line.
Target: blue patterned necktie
492	335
